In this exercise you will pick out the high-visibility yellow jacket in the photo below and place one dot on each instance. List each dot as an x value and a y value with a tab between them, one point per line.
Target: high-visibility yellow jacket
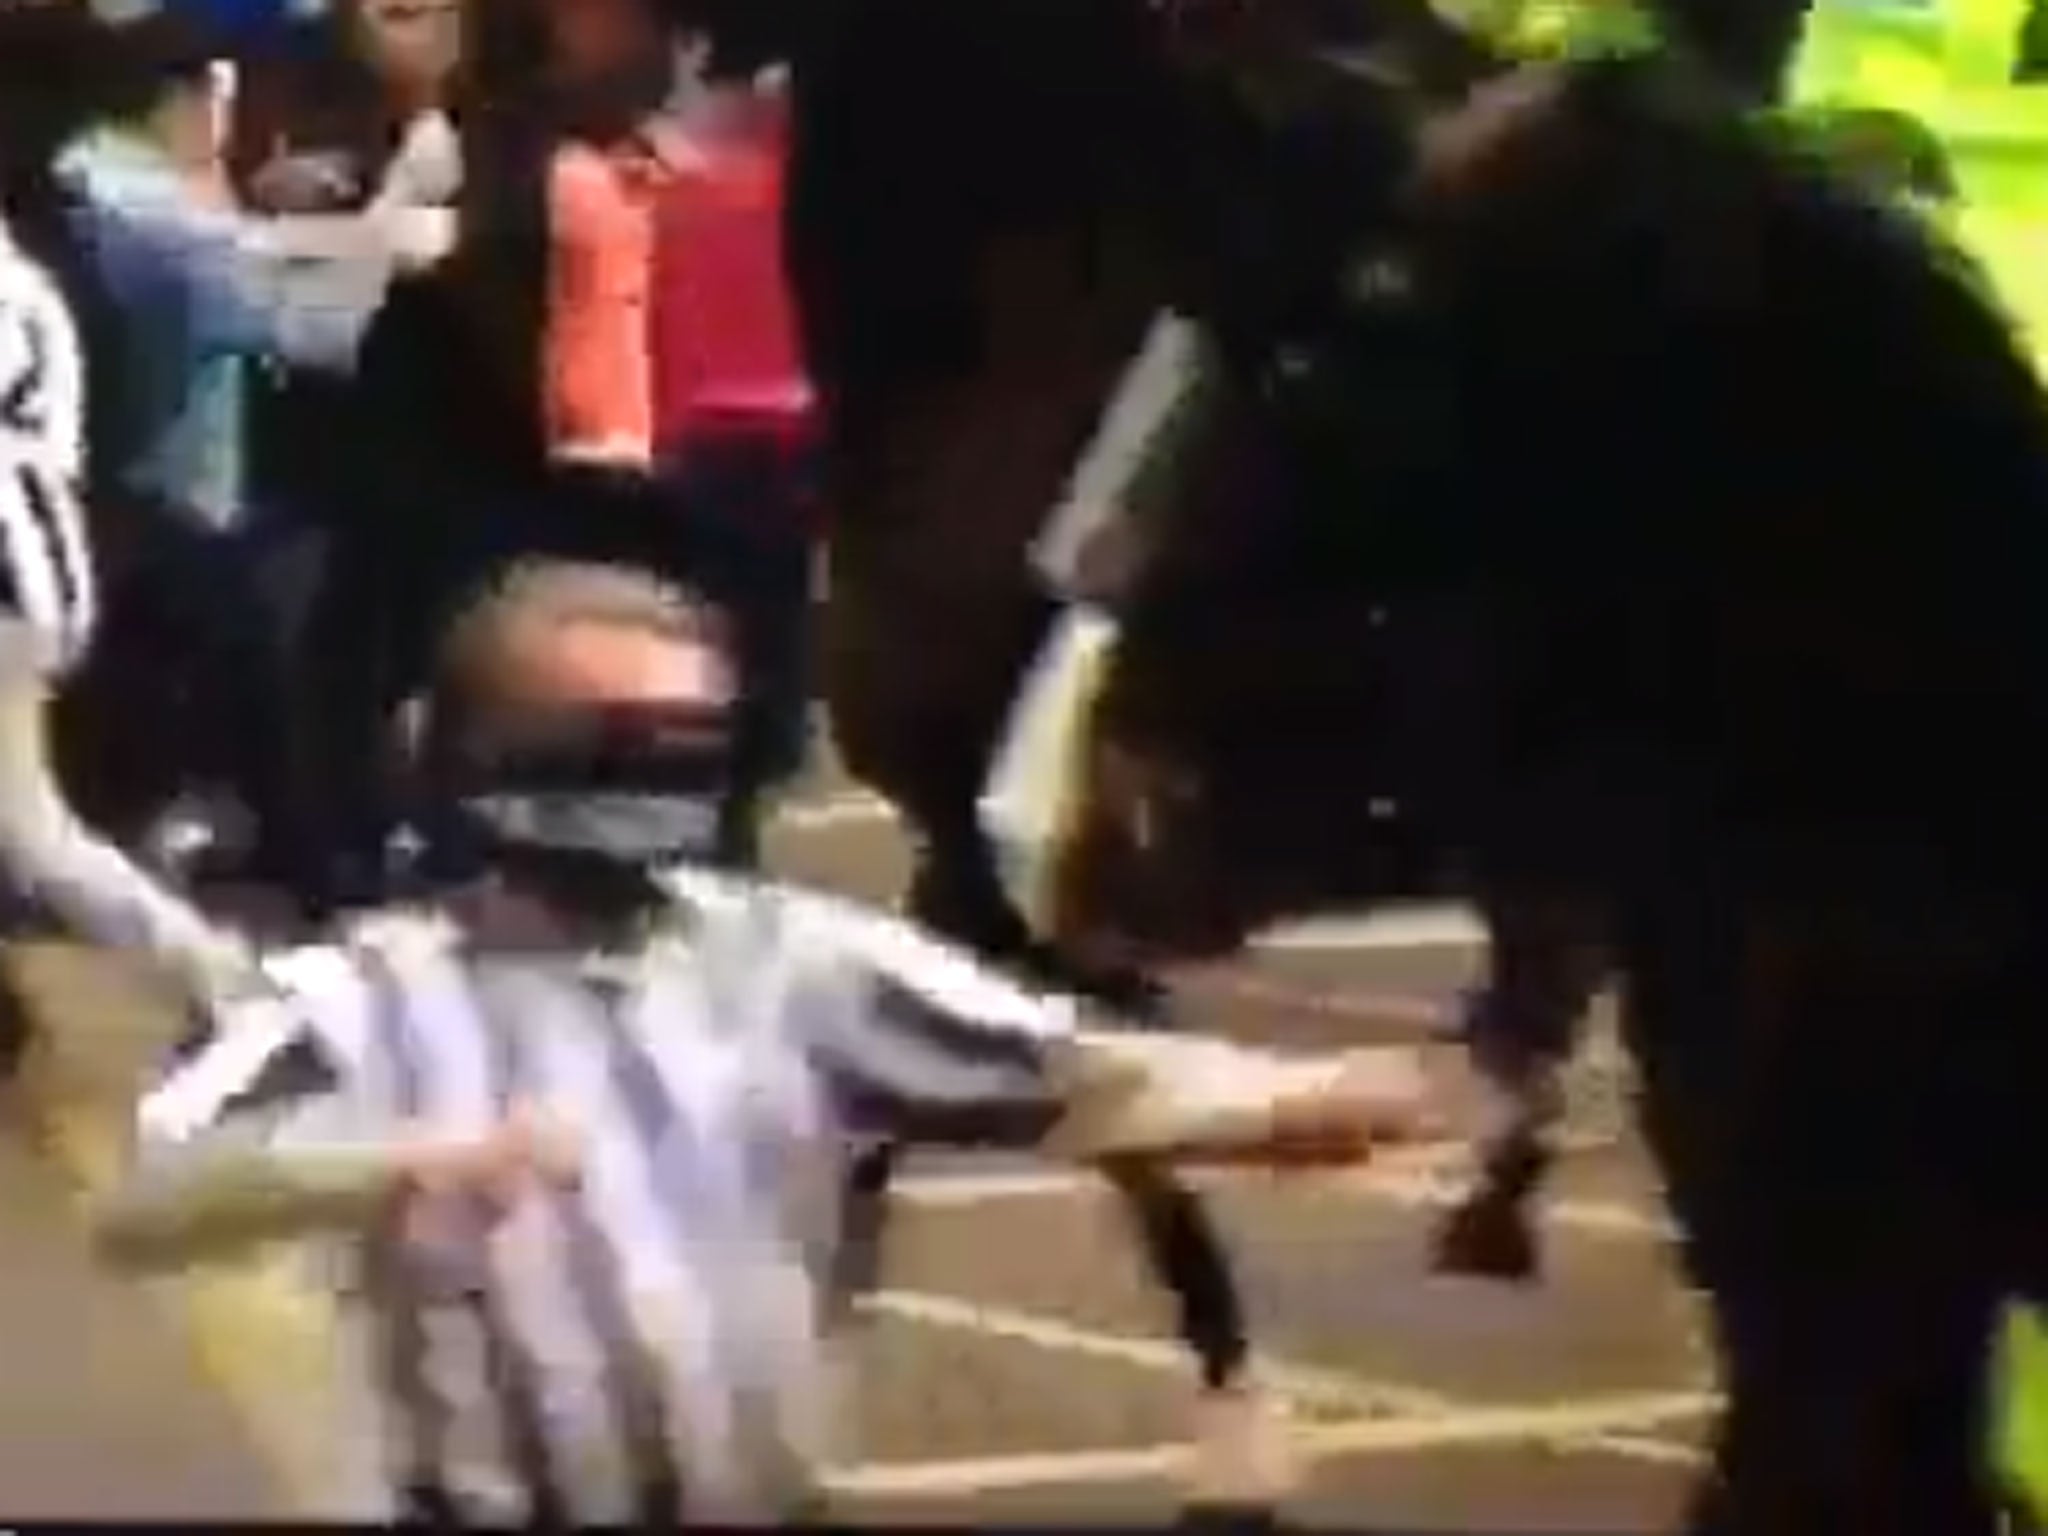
1950	66
2020	1412
1542	28
1947	66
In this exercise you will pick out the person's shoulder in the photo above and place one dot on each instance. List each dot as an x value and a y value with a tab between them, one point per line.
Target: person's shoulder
140	206
798	920
750	914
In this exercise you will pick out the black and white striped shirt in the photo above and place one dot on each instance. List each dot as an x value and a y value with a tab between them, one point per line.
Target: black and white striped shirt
47	595
647	1343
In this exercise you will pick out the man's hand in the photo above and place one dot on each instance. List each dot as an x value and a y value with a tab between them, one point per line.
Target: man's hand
1210	1101
417	237
303	183
529	1147
1376	1097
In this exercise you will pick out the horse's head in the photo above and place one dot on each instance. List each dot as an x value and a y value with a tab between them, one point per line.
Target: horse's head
1565	491
1238	765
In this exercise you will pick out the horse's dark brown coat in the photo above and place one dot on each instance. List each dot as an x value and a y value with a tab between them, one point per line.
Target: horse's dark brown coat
1724	520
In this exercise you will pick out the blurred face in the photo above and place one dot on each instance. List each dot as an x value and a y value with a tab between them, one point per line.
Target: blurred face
413	44
191	118
596	740
616	666
597	39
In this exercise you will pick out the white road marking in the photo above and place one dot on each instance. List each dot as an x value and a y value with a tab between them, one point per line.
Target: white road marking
1582	1423
1356	1396
1420	927
1311	1384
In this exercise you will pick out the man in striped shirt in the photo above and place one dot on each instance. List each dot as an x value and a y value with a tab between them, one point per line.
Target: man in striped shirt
584	1122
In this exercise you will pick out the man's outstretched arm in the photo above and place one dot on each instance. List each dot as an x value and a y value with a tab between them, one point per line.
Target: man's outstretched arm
926	1043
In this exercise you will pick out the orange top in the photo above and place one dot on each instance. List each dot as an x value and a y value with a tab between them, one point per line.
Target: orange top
597	380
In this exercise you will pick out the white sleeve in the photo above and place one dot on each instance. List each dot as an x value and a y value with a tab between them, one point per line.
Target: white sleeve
99	893
291	1056
922	1042
47	588
927	1044
261	1133
919	1039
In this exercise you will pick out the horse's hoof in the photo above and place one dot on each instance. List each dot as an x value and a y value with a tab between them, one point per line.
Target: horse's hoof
1483	1239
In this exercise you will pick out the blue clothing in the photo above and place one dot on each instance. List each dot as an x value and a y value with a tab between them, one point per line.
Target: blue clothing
197	297
247	21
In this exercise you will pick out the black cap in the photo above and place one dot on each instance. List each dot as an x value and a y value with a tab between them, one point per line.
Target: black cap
145	54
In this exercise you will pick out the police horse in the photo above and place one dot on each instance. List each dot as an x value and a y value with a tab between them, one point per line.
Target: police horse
1760	613
1694	586
987	206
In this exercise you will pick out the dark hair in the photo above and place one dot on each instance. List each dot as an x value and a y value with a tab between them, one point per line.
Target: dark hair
312	88
147	58
511	119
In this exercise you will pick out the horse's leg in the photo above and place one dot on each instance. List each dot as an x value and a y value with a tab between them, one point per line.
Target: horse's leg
1546	962
1836	1114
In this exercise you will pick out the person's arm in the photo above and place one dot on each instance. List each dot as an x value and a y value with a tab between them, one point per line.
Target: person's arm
262	1135
427	170
924	1043
244	1141
94	888
299	288
48	619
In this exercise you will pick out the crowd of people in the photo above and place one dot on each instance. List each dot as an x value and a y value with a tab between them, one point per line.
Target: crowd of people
337	379
402	442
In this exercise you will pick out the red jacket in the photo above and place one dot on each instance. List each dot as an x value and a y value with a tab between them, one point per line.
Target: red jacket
726	358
